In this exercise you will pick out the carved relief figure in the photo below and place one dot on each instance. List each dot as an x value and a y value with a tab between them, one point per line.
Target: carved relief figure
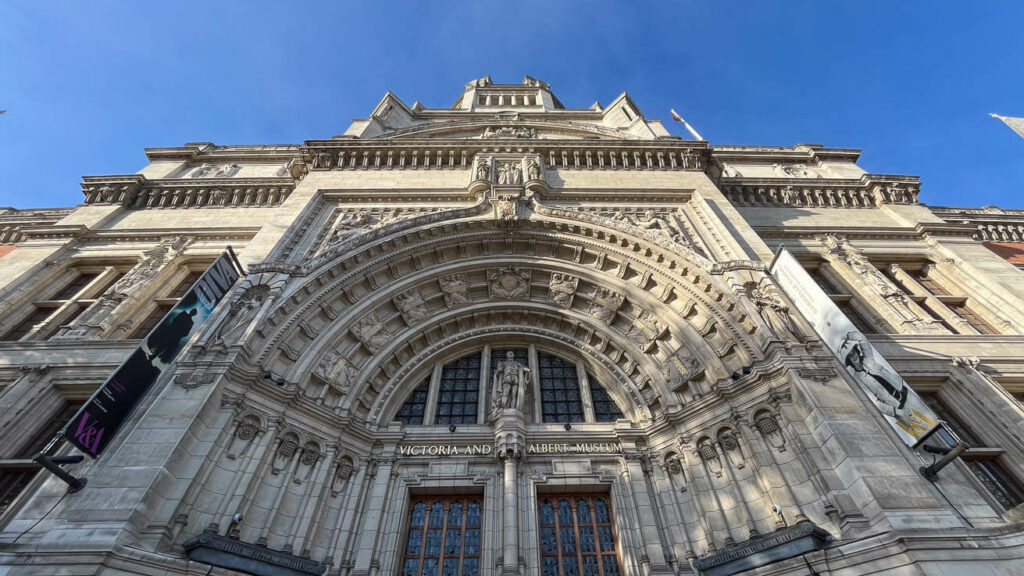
372	333
152	261
645	330
337	371
509	283
562	288
241	313
605	304
410	303
506	210
510	173
202	171
511	380
774	312
455	288
229	170
348	225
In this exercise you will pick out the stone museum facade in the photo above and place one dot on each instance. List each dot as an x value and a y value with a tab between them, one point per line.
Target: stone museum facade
510	337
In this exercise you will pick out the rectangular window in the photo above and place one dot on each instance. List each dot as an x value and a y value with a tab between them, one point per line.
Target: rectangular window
577	535
38	316
443	536
976	322
17	474
151	320
559	390
999	483
75	286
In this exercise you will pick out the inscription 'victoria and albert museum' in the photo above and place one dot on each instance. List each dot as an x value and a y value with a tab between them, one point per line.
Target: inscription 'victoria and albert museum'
487	449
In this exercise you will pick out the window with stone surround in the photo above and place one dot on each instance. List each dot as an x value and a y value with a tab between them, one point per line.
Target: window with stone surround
443	536
156	309
76	289
983	460
18	471
459	391
577	535
843	299
940	298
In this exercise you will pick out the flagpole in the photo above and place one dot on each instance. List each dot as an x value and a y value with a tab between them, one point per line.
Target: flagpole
678	118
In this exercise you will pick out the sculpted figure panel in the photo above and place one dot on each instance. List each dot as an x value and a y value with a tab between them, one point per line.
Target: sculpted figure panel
455	288
372	333
774	312
336	370
645	330
562	289
410	303
605	304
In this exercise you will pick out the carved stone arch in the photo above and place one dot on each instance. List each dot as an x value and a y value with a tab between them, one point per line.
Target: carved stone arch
679	334
686	276
619	385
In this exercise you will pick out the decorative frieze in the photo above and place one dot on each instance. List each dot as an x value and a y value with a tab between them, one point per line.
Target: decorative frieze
136	191
870	191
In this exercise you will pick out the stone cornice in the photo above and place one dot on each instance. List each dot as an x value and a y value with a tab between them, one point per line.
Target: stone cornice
763	154
194	150
869	191
137	191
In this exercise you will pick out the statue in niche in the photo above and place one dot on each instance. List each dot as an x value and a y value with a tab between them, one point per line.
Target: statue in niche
562	288
509	283
456	290
410	303
511	379
775	313
510	173
337	371
532	170
482	170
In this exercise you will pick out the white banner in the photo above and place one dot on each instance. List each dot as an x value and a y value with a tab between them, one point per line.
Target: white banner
906	413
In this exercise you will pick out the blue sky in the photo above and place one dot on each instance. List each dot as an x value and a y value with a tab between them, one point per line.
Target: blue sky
88	85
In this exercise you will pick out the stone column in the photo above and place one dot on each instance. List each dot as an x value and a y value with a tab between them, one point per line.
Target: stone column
691	462
679	537
374	506
645	514
510	452
349	515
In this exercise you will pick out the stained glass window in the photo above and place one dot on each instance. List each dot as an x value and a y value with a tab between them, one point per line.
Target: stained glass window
605	409
412	411
443	537
577	537
460	390
559	390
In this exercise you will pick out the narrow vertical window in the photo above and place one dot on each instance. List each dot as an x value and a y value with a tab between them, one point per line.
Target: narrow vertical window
559	390
460	390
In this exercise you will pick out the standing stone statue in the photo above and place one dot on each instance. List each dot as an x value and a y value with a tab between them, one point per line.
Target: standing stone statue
510	382
775	313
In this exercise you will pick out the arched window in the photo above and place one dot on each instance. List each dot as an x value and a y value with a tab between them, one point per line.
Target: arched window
605	409
415	407
458	392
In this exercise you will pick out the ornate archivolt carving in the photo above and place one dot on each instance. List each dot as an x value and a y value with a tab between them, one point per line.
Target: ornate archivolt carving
646	330
336	370
605	303
372	333
455	288
562	288
412	307
509	283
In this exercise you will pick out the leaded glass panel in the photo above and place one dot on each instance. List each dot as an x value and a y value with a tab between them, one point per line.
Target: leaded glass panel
459	392
577	537
447	548
412	411
605	409
559	390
